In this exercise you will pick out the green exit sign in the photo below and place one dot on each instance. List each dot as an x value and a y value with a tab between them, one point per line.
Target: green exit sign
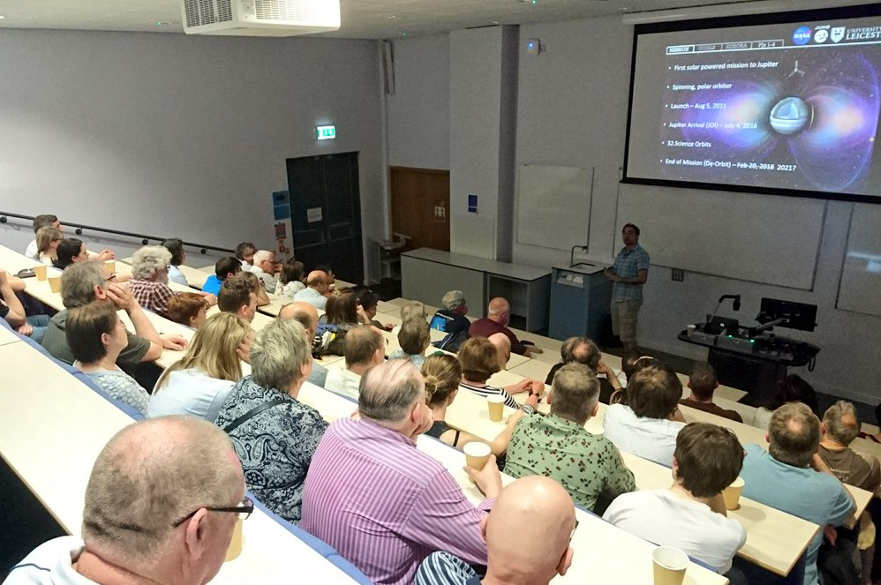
325	132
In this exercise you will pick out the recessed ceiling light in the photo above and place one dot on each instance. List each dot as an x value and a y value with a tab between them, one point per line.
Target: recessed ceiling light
161	23
392	17
2	17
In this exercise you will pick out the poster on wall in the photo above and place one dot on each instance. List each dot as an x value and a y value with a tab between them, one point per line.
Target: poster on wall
281	212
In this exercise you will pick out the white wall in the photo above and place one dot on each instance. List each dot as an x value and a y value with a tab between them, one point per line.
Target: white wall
178	136
419	110
572	111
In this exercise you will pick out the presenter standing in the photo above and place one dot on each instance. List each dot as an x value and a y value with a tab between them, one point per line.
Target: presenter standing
629	273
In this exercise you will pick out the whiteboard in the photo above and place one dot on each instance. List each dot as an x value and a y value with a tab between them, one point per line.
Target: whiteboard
757	238
552	206
860	286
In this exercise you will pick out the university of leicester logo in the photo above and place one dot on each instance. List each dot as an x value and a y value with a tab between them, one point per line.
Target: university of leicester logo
836	34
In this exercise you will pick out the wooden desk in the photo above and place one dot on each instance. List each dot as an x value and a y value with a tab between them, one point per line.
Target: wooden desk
7	336
195	277
52	428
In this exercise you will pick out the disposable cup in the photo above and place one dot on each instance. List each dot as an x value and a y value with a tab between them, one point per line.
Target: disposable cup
55	284
476	454
731	494
496	404
109	267
40	271
235	543
669	565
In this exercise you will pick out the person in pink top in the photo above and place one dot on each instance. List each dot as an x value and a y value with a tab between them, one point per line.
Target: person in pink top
378	500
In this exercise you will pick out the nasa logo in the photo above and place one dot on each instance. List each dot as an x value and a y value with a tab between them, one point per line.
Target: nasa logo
821	35
802	35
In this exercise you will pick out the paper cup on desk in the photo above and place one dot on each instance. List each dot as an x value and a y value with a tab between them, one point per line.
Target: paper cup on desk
109	268
731	494
55	283
235	544
496	404
476	454
669	565
40	271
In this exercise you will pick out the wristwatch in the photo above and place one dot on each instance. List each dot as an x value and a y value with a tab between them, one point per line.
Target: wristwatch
527	409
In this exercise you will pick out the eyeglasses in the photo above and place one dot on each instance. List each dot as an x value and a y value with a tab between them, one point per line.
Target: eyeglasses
244	511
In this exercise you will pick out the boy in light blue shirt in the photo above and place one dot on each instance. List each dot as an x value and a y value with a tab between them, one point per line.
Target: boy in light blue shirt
792	478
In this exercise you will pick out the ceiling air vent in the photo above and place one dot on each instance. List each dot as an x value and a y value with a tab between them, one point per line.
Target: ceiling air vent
277	18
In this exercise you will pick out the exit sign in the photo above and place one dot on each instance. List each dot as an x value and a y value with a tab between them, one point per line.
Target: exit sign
325	132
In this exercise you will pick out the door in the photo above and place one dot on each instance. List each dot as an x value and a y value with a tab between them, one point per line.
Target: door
326	213
421	207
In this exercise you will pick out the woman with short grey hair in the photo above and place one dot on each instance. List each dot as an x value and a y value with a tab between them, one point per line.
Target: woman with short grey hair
273	433
149	281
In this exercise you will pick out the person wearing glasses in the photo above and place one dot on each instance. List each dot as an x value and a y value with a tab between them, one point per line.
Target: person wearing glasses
161	505
536	509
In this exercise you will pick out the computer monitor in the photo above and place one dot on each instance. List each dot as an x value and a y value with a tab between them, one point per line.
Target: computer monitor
795	315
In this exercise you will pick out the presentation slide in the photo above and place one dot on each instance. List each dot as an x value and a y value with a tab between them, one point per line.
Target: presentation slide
785	106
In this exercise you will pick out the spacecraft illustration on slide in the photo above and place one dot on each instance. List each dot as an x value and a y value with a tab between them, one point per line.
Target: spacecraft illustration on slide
817	115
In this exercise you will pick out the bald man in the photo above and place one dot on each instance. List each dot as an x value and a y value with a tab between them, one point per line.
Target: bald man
317	289
535	508
498	314
307	315
161	504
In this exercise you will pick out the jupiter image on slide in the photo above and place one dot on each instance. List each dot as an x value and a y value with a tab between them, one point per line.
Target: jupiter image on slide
799	119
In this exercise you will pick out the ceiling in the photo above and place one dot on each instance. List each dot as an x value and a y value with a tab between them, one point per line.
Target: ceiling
373	19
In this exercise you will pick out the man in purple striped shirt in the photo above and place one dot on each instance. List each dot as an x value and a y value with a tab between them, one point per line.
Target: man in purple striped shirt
382	503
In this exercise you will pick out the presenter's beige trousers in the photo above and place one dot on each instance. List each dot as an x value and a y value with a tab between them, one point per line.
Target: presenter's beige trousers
624	315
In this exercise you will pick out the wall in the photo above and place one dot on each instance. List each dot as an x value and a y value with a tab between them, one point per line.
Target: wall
571	111
419	110
178	136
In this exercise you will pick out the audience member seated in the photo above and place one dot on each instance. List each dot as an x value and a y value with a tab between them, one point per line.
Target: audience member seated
413	310
331	277
256	286
503	348
178	256
48	239
442	374
316	291
539	512
369	301
96	336
223	269
702	382
199	383
791	477
291	278
264	268
11	309
452	317
245	254
498	313
72	250
273	433
147	517
149	281
480	361
307	315
414	338
839	428
647	424
188	309
39	222
237	297
793	388
365	348
557	445
629	364
691	514
84	282
383	504
584	351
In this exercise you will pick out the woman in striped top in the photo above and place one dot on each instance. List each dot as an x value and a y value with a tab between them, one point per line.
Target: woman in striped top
480	360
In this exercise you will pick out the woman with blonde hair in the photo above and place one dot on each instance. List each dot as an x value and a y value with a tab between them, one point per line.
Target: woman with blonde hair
48	239
200	382
442	374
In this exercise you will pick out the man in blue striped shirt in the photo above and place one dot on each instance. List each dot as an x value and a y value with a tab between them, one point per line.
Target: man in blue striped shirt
629	273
